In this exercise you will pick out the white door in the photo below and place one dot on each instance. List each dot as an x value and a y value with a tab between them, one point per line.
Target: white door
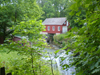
64	29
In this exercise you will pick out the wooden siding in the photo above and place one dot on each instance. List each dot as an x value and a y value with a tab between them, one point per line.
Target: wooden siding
51	29
56	28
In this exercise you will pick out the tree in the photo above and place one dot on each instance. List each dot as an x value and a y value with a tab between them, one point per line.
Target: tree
14	12
52	8
9	16
30	27
59	8
21	17
74	19
85	40
47	7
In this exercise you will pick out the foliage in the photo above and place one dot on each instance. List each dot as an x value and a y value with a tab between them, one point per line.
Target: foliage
22	57
21	64
6	20
21	17
12	13
60	39
52	8
74	19
85	40
48	10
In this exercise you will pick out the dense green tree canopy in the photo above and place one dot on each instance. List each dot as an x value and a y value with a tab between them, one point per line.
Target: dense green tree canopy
77	15
85	40
20	17
52	8
12	13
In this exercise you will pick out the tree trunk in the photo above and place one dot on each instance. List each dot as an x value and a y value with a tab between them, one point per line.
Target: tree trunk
32	61
4	33
51	64
40	68
52	68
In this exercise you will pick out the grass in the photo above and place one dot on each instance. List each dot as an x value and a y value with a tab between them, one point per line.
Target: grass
10	60
14	63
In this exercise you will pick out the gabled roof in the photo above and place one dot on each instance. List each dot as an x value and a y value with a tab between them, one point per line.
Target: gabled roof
54	21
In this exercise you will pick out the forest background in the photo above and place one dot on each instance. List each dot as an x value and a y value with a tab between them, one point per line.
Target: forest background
24	18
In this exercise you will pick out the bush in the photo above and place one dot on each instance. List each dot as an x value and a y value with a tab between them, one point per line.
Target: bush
19	64
60	40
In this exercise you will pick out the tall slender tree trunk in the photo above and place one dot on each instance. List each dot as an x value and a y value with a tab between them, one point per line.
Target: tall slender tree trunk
4	33
32	61
40	68
51	64
52	67
15	15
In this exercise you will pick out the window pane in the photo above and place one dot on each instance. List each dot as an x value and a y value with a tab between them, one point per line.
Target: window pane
67	23
58	28
48	28
53	28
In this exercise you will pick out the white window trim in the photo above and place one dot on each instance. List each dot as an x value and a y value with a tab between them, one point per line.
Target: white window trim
53	28
58	28
48	28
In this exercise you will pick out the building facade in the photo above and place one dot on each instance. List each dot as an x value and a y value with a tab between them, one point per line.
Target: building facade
55	25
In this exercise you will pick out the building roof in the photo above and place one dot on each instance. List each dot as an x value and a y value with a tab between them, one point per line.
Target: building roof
54	21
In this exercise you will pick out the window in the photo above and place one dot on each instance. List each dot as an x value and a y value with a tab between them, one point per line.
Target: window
48	28
67	23
64	23
58	28
53	28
